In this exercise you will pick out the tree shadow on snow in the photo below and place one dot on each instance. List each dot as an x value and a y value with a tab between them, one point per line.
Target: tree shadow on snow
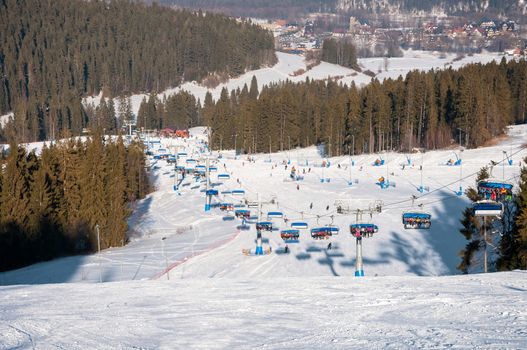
328	256
443	238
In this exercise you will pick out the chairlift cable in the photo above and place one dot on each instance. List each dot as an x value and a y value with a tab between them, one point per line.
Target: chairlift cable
451	183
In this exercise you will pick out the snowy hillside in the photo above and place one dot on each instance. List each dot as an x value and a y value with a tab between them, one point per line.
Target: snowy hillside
289	64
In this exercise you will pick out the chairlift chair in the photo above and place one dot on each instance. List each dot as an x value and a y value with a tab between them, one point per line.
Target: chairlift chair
333	229
417	220
495	190
301	225
211	192
242	213
378	162
264	226
290	236
226	207
363	229
275	214
487	208
238	192
320	233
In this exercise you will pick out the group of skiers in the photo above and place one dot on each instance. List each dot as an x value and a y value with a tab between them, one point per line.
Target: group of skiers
496	194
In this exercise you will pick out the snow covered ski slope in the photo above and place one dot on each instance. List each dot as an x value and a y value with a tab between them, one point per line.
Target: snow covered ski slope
458	312
216	243
201	286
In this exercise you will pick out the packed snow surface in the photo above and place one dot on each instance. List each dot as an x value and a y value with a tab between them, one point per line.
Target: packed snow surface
458	312
183	280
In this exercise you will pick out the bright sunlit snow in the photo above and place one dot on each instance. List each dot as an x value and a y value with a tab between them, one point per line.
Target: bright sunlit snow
217	297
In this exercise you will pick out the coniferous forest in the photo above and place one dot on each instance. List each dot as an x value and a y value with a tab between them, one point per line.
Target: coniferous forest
51	203
425	109
340	52
52	53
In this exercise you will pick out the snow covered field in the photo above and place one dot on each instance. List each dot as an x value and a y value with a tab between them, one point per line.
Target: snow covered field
218	297
458	312
288	64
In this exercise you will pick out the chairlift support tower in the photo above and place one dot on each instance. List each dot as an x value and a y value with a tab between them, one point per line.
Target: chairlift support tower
207	185
259	248
359	265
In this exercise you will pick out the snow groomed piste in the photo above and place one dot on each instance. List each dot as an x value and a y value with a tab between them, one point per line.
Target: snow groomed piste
426	245
274	204
174	238
236	200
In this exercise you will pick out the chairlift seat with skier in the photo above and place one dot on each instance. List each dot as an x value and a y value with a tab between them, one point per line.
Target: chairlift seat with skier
290	236
242	213
264	226
495	190
321	232
417	220
454	162
378	162
363	229
226	206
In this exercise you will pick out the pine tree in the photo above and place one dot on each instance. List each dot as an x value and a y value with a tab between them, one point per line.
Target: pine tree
519	256
471	227
93	209
115	191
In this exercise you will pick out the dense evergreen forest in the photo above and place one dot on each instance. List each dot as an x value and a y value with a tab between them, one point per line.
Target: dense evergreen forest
54	52
340	52
51	203
295	9
425	109
270	9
